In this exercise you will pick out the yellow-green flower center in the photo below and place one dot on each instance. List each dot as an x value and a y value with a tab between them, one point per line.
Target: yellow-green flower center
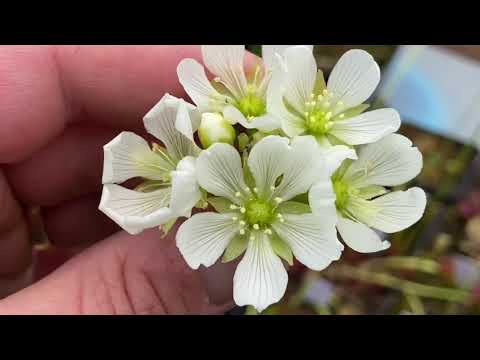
259	212
318	122
342	192
252	105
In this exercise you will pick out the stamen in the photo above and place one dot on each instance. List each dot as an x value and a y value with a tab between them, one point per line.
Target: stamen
272	188
341	116
243	210
328	116
268	232
242	223
325	92
255	190
233	207
242	231
256	227
234	218
278	200
319	97
238	194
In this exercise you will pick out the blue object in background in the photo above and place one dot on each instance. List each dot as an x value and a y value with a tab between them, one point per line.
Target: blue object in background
435	89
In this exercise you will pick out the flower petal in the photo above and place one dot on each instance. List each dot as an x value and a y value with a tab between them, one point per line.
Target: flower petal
185	190
303	167
129	156
354	78
395	211
391	161
266	123
226	62
260	279
267	162
136	211
219	171
269	51
192	76
367	127
204	237
312	238
161	121
360	237
300	78
322	197
334	157
235	116
188	119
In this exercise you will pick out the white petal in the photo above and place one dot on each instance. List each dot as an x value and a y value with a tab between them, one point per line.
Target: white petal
219	171
269	51
196	84
260	279
129	156
185	190
267	161
136	211
161	121
354	78
235	116
335	155
204	237
303	167
188	119
300	78
367	127
360	237
265	123
312	238
395	211
322	197
391	161
226	62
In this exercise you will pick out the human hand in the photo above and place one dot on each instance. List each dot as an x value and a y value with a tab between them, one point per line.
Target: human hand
59	106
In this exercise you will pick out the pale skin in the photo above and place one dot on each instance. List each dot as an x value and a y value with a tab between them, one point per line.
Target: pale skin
58	107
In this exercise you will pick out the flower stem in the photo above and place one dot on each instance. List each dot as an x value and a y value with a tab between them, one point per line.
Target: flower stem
405	286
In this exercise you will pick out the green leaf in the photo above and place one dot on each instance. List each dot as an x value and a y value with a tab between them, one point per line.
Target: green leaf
167	227
320	84
357	110
371	191
281	249
236	248
293	207
220	204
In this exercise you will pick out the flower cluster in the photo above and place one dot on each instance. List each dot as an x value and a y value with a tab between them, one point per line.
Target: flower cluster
282	159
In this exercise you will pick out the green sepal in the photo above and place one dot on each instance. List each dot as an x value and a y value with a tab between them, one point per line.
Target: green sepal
151	185
371	191
167	227
220	204
203	202
281	248
236	248
243	141
302	198
320	83
247	174
357	110
293	207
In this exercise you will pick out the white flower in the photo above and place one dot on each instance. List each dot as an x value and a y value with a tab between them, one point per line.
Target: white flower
362	200
242	99
171	190
331	112
256	215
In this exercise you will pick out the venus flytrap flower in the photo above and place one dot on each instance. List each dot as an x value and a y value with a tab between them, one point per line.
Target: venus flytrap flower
332	112
363	202
241	99
257	216
171	188
215	129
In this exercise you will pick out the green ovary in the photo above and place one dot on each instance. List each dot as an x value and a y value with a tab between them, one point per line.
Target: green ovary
259	212
342	192
318	122
252	106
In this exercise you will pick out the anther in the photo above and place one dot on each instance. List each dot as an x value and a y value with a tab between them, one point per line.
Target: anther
255	190
268	232
233	207
238	194
256	227
272	188
278	200
243	210
341	116
242	232
242	223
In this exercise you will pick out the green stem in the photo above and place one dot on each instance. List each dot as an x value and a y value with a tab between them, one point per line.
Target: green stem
409	263
405	286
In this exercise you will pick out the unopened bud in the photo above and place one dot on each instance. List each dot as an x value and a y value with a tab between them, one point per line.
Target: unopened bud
214	128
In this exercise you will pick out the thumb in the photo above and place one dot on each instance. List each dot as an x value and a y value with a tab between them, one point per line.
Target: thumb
127	274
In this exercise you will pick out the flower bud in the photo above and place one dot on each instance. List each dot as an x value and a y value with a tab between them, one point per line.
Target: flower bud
214	128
